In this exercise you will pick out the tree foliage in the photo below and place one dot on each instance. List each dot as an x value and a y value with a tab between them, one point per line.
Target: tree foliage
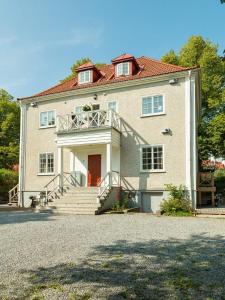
78	63
9	130
204	54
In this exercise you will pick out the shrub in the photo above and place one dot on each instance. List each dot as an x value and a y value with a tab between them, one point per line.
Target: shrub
178	200
8	179
122	203
219	177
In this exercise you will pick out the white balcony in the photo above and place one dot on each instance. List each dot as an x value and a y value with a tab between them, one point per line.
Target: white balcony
87	120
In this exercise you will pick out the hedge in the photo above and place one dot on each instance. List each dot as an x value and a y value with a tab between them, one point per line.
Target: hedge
219	178
8	179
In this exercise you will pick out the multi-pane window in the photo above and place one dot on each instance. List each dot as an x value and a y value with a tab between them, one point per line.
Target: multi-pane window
78	109
122	69
84	76
46	163
47	118
152	105
112	105
152	158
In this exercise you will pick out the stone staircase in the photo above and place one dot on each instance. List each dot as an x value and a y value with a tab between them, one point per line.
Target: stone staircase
76	200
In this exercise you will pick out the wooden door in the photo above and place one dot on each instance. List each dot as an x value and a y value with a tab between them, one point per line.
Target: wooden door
94	169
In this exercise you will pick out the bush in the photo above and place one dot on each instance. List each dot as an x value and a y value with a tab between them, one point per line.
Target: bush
177	202
8	179
219	177
122	203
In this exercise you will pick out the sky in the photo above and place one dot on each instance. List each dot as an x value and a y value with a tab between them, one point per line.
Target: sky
41	39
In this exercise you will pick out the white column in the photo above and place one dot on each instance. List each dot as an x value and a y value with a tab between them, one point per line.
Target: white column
60	165
109	160
72	161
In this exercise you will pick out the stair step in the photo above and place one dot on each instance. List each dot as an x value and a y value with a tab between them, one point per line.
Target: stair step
75	206
74	211
78	202
79	195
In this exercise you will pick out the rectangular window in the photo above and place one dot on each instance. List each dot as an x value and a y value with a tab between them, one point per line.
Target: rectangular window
47	119
152	158
78	109
112	105
46	163
152	105
84	76
122	69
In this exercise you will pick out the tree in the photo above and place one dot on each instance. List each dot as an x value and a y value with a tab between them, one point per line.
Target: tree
204	54
9	130
171	57
78	63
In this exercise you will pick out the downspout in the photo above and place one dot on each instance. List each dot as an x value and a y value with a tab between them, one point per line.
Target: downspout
22	154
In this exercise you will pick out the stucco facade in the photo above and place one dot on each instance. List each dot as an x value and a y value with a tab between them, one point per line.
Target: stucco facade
180	147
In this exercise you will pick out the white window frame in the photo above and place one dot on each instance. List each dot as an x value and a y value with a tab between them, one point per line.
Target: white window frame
122	73
153	114
111	101
85	81
46	173
47	111
163	157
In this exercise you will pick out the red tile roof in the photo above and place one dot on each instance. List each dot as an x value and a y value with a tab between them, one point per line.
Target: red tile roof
124	56
148	67
87	65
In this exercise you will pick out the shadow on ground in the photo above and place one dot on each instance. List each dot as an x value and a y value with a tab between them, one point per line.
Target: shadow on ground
23	217
156	269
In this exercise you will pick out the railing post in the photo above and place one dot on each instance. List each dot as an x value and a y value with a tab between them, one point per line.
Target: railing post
68	116
46	194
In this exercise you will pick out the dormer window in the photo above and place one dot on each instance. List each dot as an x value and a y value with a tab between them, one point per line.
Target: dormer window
125	65
122	69
84	76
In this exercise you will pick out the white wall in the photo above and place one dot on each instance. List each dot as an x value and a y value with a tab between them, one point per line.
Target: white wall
81	160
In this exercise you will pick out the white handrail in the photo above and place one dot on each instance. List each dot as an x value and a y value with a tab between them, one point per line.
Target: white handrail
109	180
13	193
88	119
57	187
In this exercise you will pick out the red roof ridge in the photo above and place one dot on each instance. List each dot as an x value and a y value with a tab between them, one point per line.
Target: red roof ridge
88	64
168	64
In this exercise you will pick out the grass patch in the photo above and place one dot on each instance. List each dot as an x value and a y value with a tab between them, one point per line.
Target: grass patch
76	296
180	214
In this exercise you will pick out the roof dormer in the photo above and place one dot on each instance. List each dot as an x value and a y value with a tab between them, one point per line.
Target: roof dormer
125	65
87	73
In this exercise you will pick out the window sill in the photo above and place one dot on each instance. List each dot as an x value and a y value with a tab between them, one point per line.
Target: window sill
46	174
153	171
50	126
153	115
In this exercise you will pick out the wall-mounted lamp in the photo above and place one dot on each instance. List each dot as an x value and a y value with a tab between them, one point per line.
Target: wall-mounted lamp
166	131
173	81
33	104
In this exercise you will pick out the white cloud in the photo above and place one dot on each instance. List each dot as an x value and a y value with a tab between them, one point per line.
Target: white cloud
5	41
14	83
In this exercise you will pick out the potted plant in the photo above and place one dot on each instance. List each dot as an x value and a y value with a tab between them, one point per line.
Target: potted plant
86	107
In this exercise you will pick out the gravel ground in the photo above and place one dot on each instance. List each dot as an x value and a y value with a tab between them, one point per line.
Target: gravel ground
134	256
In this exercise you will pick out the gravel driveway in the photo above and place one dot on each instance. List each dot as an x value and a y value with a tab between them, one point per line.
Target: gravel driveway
134	256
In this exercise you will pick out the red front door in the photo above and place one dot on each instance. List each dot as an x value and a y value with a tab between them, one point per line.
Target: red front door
94	169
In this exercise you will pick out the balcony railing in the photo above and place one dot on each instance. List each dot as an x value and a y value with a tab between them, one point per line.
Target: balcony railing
88	120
